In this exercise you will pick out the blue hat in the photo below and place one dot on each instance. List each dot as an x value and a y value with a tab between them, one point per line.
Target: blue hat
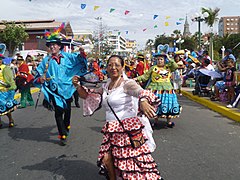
162	50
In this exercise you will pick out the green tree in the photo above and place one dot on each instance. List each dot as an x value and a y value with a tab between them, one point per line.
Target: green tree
177	33
210	20
13	36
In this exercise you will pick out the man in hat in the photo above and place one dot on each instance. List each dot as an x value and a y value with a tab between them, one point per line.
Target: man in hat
24	80
142	65
54	77
7	92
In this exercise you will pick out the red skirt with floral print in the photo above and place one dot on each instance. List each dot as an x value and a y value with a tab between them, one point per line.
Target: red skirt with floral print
130	163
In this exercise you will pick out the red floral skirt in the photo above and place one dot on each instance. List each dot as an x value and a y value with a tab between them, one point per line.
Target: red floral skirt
130	163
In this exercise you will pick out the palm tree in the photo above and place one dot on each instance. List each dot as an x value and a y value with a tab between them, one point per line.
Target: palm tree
149	44
177	33
210	21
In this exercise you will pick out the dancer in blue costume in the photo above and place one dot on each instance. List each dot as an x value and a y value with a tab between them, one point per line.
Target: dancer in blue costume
160	83
54	76
7	92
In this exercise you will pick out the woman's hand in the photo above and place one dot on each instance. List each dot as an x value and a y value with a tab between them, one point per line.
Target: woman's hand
75	80
147	109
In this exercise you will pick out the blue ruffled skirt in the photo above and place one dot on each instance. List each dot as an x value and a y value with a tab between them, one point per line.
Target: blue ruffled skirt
169	107
7	102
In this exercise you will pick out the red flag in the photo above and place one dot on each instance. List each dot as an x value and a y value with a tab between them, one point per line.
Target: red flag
126	12
144	29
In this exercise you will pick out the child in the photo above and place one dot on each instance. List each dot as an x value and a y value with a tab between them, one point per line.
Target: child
230	79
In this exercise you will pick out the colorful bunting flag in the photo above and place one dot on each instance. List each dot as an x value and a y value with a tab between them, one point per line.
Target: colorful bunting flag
181	19
83	6
98	18
96	7
166	24
155	26
155	16
167	17
119	33
178	23
112	9
69	3
126	12
144	29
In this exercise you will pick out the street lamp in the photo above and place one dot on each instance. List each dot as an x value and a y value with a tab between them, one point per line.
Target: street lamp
180	41
199	18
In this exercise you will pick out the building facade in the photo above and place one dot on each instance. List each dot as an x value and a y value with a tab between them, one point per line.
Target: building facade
36	30
229	25
84	37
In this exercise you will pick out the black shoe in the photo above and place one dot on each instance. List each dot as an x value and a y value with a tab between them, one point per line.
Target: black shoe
63	141
77	104
170	124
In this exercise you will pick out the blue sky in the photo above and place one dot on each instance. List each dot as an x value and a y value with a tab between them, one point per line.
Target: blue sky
140	16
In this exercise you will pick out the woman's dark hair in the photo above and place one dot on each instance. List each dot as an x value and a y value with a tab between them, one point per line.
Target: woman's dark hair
116	56
176	55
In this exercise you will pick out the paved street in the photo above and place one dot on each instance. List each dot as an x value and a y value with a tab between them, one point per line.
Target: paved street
203	145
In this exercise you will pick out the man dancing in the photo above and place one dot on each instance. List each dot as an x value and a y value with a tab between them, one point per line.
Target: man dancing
54	76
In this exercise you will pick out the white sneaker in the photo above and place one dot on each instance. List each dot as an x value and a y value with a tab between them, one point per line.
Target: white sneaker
229	106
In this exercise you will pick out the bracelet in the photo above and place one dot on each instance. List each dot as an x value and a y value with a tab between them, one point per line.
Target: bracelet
143	99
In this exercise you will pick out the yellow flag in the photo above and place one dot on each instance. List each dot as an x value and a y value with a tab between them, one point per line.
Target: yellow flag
166	24
96	7
167	17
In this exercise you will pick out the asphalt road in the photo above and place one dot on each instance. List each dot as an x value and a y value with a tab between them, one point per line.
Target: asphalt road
203	145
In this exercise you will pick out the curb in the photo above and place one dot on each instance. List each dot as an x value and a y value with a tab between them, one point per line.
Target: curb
230	113
34	90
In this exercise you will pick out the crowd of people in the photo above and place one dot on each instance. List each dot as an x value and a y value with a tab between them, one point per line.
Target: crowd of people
136	93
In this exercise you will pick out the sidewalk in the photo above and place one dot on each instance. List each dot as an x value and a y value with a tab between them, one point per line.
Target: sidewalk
231	113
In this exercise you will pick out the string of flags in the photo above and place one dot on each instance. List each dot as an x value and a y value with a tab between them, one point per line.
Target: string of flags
83	6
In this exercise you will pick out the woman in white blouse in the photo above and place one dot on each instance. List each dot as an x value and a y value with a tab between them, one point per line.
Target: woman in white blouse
117	157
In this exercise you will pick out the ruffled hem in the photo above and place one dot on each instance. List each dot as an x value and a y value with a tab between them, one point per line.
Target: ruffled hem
6	109
169	107
129	162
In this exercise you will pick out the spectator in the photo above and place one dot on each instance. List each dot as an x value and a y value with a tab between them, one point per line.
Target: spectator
230	79
229	55
24	80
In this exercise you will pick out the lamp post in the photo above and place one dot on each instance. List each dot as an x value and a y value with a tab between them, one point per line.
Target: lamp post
199	18
223	50
180	41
